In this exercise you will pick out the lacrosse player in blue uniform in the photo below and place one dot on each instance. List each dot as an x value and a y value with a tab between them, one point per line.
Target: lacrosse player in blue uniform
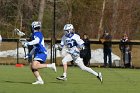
39	51
73	45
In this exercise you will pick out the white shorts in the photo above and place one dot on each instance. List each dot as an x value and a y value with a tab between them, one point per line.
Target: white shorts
68	57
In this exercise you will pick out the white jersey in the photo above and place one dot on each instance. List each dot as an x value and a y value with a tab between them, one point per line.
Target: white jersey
72	43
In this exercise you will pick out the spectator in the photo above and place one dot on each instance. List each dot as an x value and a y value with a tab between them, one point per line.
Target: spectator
125	49
107	48
87	58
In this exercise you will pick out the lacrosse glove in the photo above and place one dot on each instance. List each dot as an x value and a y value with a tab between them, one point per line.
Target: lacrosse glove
58	47
25	44
28	56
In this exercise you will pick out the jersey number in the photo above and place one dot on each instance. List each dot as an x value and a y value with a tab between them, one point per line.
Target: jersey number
71	43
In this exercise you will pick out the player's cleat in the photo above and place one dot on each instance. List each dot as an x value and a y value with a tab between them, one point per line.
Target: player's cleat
54	67
100	77
38	82
62	78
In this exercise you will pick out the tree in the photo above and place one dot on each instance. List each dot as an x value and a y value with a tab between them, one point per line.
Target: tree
101	20
115	17
41	10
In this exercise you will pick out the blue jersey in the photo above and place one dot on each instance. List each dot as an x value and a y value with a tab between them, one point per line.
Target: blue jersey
40	47
40	52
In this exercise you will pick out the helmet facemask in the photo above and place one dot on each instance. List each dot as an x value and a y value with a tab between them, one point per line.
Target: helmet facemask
68	30
36	25
68	33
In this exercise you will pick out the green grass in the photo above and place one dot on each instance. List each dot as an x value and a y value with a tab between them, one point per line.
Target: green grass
116	80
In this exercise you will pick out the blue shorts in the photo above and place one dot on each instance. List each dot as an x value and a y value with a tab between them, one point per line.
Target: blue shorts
41	57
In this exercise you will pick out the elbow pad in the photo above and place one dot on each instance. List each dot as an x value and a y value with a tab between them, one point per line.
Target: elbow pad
33	42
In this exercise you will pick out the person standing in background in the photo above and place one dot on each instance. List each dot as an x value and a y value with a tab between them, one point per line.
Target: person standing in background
107	48
125	49
86	59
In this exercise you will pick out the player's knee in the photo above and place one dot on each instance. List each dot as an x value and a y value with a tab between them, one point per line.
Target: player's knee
34	70
33	66
64	62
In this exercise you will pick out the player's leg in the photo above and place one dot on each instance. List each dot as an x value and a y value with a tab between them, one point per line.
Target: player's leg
38	63
41	57
110	57
79	63
41	65
64	76
105	57
130	63
65	60
36	73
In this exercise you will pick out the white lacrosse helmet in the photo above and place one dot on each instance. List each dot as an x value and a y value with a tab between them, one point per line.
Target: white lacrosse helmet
68	29
36	24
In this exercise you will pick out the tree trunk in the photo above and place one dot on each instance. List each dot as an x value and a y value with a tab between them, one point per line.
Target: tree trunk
41	10
115	17
69	5
101	20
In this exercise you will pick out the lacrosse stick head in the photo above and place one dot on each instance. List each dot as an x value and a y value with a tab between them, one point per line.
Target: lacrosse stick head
23	40
18	32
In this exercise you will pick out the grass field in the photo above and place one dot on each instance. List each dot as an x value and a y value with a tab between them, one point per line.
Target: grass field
116	80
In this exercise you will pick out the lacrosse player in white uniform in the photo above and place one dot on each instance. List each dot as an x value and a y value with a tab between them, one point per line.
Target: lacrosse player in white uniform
39	51
73	45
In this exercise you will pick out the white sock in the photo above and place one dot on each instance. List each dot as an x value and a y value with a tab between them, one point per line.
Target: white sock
39	78
65	74
83	67
91	71
49	65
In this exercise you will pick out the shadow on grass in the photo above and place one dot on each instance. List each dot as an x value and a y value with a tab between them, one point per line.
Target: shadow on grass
18	82
8	81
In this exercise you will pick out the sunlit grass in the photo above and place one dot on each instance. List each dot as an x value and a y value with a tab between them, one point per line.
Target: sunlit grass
116	80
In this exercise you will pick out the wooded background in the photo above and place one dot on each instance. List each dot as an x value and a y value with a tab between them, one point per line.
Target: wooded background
91	16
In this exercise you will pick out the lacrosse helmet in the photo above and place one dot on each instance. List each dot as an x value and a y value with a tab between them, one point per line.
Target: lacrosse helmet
36	25
69	30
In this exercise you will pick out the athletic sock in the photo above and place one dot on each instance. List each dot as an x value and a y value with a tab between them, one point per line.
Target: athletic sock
39	78
49	65
65	74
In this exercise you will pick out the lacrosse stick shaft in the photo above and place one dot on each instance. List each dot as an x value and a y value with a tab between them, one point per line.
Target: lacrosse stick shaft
24	51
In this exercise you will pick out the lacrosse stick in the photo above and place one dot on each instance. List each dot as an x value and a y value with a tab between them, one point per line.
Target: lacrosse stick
20	33
23	41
